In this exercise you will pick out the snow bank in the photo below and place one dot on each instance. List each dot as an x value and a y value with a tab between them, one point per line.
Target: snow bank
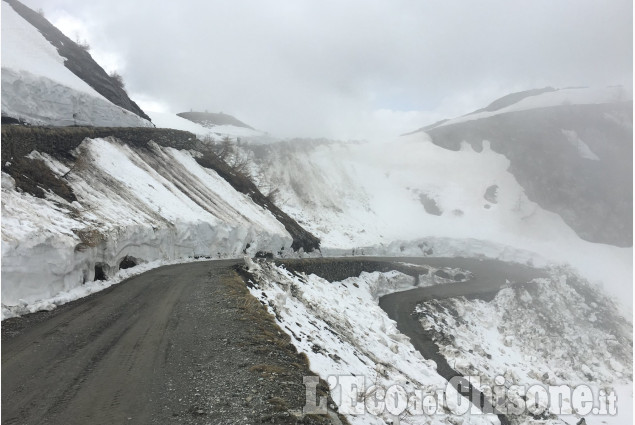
343	331
39	89
146	204
47	304
39	100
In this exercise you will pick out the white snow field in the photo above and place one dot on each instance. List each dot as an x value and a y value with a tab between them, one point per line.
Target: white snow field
38	89
410	197
149	204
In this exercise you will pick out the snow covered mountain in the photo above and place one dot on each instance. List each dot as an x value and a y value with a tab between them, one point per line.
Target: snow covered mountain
519	181
80	204
541	177
47	79
571	151
103	190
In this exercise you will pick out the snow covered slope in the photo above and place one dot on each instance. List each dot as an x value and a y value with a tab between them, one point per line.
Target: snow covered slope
107	204
571	151
411	196
37	87
545	333
344	332
547	99
542	333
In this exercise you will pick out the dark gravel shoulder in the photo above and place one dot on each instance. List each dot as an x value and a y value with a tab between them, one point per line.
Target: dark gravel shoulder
179	344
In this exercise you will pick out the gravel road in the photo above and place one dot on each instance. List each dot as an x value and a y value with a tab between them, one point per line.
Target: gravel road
179	344
188	344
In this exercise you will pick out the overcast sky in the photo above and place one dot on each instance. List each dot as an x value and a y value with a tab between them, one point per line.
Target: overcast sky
348	69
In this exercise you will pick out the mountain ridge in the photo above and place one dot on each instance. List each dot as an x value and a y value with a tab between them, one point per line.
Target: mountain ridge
79	61
211	119
544	147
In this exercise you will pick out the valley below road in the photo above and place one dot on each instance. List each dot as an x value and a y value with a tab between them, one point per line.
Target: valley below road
181	344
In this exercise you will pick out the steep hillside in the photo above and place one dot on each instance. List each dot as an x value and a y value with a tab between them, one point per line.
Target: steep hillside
570	150
78	204
412	196
47	79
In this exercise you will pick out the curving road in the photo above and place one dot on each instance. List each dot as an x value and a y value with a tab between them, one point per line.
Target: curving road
178	344
489	276
171	345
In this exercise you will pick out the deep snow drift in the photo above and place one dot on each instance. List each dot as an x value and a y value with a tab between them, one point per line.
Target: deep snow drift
38	89
143	204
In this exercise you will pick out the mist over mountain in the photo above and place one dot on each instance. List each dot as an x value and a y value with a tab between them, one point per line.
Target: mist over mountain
546	171
495	245
99	187
572	159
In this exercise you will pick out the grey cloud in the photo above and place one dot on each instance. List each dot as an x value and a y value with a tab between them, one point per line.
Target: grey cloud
321	67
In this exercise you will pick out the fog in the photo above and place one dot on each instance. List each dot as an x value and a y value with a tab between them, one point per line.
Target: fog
355	69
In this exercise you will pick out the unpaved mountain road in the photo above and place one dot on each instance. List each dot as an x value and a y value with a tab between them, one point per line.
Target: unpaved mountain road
488	277
178	344
188	344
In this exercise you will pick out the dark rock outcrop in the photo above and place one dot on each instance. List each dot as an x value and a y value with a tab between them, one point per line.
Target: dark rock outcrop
491	194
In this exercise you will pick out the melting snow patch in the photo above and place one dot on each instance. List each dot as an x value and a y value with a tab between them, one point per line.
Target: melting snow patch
583	149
